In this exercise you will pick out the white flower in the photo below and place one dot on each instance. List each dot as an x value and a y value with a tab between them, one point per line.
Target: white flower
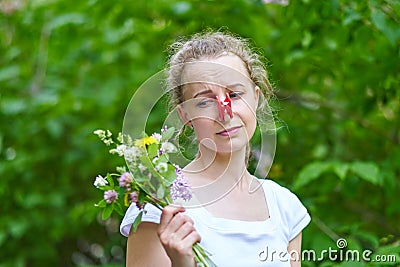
168	147
154	161
108	141
100	133
126	139
132	153
100	181
120	137
120	150
161	167
157	136
121	169
141	167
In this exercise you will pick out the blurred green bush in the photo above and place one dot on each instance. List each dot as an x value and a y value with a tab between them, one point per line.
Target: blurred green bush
67	69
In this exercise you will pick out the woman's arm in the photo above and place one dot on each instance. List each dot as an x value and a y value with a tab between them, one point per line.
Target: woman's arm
167	244
295	245
144	247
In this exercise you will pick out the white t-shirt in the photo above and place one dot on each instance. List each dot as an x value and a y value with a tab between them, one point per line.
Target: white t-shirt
243	243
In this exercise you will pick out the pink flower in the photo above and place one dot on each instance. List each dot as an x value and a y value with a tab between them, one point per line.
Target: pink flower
110	196
134	197
125	180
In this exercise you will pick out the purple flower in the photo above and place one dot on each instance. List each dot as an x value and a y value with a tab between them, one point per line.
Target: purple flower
157	136
134	196
180	187
110	196
125	180
164	129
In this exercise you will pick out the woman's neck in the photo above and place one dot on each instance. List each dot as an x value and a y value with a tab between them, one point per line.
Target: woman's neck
215	174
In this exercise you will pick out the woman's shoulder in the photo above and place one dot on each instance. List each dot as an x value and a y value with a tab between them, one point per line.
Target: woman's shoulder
292	213
280	193
271	185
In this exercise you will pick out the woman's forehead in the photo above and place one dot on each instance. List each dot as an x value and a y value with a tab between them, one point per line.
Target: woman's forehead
224	70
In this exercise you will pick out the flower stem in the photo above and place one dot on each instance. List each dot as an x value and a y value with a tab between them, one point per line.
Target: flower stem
201	256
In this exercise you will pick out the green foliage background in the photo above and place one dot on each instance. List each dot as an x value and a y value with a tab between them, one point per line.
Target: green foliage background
70	67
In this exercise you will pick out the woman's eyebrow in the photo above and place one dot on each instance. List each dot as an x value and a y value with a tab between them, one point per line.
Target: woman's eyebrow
202	93
233	85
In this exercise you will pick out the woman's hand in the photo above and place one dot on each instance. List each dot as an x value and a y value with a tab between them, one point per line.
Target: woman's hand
177	235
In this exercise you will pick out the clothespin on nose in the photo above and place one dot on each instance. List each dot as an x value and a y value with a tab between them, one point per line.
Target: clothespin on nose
223	106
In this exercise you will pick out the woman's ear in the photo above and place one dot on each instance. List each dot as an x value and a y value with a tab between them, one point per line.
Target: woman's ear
183	115
257	92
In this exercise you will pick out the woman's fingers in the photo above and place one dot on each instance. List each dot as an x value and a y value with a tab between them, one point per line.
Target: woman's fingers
168	213
184	230
174	226
192	238
177	234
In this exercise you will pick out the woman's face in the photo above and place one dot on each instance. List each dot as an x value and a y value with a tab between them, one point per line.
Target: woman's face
203	82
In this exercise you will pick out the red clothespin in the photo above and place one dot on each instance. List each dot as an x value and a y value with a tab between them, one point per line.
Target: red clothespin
226	105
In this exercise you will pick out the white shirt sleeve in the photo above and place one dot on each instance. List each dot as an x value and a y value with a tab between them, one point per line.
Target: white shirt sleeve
151	214
293	213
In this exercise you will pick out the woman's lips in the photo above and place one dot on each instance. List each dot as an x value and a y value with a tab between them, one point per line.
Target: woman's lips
230	131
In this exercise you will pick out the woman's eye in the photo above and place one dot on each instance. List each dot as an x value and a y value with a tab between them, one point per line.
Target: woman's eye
235	95
205	102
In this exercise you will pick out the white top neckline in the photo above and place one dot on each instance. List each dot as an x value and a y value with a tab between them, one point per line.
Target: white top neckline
234	225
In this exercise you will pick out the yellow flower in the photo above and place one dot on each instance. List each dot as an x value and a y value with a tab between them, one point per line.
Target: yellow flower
145	141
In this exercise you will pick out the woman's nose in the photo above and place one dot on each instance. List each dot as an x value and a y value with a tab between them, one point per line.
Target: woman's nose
224	107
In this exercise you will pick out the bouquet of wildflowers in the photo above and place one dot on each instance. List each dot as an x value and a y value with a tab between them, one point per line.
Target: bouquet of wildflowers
151	178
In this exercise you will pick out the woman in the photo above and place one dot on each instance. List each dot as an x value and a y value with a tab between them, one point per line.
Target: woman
217	83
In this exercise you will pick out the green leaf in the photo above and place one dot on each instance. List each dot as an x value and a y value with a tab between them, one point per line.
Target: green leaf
70	18
137	221
170	175
309	173
145	160
107	212
9	72
102	203
379	19
369	237
142	195
149	165
307	39
117	208
140	178
368	171
168	134
121	191
110	180
351	16
163	158
340	169
160	192
106	187
152	150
